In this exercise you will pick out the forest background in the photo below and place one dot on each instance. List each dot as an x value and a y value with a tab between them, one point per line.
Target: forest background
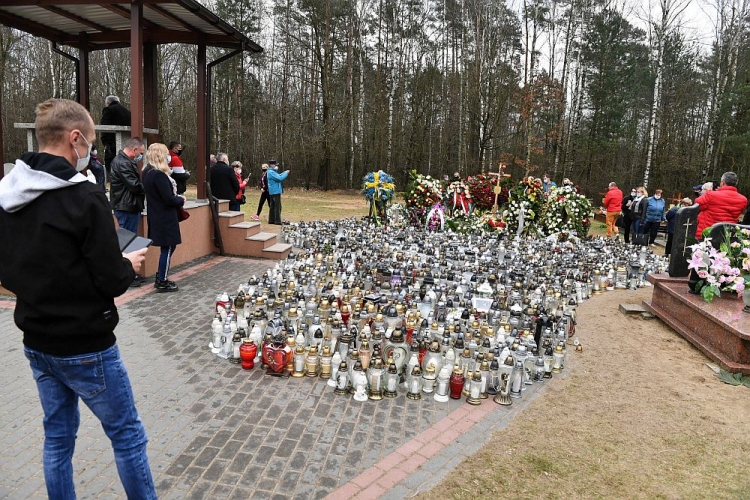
593	90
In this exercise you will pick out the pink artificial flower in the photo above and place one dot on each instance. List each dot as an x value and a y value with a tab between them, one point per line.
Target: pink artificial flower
696	261
740	287
703	274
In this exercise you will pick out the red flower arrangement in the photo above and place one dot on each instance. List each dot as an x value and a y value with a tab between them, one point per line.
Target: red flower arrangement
482	189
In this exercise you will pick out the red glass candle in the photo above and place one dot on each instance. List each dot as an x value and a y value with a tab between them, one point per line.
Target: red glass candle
345	315
248	351
422	351
456	383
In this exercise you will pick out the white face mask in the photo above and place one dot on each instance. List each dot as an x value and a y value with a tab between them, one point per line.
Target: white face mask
632	193
657	197
169	159
82	163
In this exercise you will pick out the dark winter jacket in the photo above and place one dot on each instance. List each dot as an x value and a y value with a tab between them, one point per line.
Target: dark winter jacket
624	207
181	178
638	208
224	184
59	254
126	188
163	225
114	114
671	218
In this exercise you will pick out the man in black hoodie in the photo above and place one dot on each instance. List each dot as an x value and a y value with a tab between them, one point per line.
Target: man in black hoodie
59	254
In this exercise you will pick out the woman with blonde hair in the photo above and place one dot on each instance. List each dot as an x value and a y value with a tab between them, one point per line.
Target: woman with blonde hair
163	204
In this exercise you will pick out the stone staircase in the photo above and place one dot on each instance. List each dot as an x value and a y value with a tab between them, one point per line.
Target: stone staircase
244	238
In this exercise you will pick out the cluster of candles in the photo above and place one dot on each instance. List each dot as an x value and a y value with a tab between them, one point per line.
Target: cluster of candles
441	315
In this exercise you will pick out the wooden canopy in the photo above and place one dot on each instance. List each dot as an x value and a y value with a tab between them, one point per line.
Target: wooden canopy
107	24
141	25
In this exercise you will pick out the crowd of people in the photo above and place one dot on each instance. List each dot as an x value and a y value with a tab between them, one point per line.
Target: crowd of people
160	187
56	199
641	215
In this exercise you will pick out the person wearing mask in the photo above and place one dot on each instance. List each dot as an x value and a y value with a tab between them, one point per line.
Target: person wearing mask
627	221
638	208
179	174
224	185
263	192
60	256
97	169
613	204
724	204
113	113
547	184
671	218
127	195
653	216
240	198
275	188
163	206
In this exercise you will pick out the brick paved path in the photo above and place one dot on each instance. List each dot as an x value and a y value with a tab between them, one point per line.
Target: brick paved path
217	432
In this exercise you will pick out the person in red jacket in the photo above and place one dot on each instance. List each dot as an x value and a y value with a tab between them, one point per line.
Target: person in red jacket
723	205
240	198
612	204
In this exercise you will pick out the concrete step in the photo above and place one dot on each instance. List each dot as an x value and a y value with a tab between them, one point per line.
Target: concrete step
259	242
230	218
245	224
277	251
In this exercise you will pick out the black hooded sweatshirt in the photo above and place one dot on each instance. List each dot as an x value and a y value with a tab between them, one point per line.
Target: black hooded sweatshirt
60	255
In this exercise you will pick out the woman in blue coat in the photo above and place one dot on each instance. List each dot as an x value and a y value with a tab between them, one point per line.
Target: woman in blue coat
275	188
162	206
653	216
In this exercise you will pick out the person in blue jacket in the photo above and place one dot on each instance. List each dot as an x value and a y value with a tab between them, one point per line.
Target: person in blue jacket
653	216
275	188
671	219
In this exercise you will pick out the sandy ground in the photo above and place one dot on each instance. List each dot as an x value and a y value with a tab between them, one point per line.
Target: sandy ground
639	416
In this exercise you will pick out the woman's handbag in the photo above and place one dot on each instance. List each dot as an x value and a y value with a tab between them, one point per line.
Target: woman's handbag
182	214
620	222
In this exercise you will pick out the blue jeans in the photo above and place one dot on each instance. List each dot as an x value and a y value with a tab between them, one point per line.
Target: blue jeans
101	381
128	220
235	206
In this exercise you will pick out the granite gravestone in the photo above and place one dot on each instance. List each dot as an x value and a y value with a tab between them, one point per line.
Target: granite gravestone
686	222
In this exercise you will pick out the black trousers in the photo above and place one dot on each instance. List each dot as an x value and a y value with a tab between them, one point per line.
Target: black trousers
668	249
275	211
652	228
626	220
264	197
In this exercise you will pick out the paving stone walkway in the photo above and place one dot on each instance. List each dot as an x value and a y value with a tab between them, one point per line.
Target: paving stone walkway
216	431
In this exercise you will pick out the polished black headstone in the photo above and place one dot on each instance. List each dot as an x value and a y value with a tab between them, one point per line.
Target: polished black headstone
686	222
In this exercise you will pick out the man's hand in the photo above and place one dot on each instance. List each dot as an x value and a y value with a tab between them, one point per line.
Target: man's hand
286	172
136	258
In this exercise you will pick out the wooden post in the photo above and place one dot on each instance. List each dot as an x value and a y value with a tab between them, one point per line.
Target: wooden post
150	91
202	132
83	72
136	70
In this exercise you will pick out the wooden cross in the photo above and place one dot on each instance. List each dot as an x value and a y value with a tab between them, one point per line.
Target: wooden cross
678	199
499	174
687	233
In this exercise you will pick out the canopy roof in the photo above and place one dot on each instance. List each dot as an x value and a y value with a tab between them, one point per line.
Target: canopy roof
106	24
